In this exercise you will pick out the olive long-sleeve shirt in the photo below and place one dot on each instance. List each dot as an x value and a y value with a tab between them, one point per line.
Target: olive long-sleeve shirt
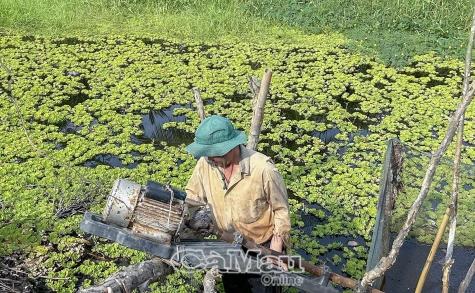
255	202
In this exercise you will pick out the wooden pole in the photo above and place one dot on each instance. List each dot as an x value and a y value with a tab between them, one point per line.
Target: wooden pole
199	103
453	211
258	111
456	178
312	269
433	251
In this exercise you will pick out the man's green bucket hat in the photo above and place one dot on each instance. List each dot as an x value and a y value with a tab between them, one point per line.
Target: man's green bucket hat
215	137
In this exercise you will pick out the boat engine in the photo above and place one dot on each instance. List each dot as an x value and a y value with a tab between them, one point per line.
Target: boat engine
154	211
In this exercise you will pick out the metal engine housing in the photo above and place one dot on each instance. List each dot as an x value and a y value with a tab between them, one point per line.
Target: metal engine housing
154	212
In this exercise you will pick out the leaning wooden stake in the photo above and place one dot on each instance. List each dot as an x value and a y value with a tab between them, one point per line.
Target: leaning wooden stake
386	262
199	103
209	281
456	178
433	251
258	111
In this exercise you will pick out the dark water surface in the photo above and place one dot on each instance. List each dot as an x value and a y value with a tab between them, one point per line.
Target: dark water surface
152	127
404	274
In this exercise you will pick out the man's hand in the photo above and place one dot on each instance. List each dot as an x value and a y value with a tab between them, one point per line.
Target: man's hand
277	244
201	220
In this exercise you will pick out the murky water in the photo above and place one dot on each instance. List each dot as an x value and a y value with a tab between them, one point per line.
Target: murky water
152	127
404	274
153	132
111	160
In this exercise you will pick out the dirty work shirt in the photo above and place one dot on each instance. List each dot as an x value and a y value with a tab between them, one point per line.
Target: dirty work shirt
255	202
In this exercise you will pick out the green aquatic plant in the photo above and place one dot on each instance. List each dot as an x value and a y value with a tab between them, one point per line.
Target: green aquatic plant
181	281
336	259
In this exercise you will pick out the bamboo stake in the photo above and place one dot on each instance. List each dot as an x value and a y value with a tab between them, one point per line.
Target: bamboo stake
468	278
199	103
258	112
433	251
386	262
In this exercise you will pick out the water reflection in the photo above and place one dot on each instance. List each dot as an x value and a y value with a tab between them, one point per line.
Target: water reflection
152	127
112	161
68	127
326	136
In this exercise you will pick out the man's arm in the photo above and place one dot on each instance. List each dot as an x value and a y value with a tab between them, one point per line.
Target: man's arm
198	215
195	191
195	196
277	194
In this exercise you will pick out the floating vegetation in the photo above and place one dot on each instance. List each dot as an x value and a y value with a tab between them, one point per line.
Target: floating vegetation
122	107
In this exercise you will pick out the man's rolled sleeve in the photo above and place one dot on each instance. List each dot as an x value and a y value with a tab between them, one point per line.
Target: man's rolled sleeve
277	195
194	189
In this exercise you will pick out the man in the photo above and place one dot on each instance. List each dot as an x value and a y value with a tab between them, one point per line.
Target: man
244	190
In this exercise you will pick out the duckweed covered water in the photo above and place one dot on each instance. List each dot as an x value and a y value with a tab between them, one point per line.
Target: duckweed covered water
122	107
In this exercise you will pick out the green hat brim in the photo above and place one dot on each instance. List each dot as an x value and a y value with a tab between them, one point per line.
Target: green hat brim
217	149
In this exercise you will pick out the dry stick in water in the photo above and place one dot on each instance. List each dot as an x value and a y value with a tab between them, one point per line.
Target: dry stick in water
386	262
468	278
254	86
453	211
258	113
199	103
456	178
17	108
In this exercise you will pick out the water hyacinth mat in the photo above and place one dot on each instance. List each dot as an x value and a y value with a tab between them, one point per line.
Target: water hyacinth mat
101	108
